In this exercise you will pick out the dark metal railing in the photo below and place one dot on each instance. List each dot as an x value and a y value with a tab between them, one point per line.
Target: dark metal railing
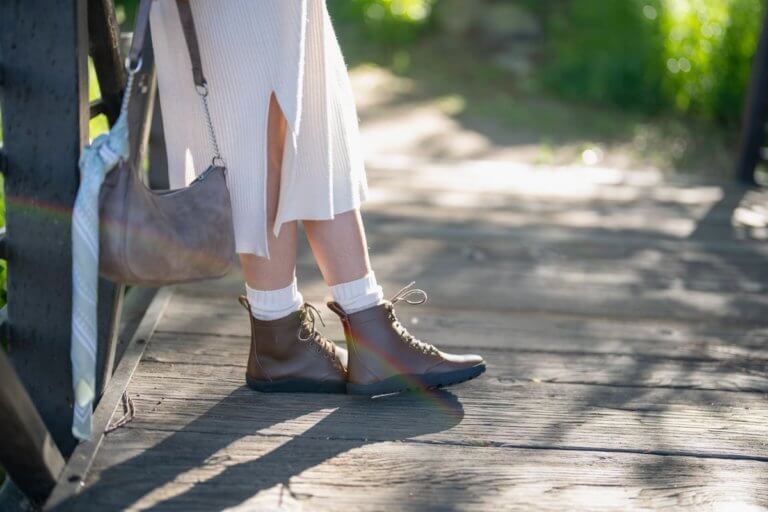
755	114
45	124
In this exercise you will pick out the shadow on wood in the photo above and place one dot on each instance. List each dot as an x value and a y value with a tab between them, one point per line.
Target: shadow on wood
202	440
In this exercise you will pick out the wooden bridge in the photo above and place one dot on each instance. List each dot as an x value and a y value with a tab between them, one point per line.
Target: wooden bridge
627	365
623	316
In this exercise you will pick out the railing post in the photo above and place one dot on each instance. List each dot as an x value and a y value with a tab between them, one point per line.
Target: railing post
27	452
755	112
109	66
105	51
45	124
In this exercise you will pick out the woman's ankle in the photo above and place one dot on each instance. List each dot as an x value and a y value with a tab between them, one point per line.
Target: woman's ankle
274	304
357	295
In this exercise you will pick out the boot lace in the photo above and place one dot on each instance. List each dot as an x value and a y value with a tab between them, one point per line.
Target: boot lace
405	294
309	314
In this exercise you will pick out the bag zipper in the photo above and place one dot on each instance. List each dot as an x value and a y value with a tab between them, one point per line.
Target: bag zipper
204	175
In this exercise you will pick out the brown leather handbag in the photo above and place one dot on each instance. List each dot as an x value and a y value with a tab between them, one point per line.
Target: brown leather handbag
156	238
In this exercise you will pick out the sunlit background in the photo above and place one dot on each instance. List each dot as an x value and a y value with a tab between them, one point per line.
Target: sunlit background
630	84
638	83
579	126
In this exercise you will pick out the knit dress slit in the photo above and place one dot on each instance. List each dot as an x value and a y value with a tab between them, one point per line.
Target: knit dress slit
250	49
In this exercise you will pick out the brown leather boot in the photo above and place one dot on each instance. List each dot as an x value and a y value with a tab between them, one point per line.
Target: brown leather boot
288	355
385	358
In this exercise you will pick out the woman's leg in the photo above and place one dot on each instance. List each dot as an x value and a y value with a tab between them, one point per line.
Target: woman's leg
271	281
341	253
280	358
383	356
339	246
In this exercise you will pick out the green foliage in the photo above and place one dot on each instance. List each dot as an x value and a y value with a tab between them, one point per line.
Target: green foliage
692	56
126	11
719	40
385	21
606	51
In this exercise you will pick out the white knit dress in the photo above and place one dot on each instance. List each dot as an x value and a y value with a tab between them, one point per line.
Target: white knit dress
250	48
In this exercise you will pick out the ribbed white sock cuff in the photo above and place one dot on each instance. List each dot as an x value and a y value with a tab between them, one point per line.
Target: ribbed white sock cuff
359	294
274	304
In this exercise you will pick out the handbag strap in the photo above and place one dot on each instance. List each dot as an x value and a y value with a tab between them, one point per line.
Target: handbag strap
193	48
141	27
139	35
190	35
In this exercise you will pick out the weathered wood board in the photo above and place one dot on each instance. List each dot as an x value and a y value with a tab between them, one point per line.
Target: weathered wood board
258	472
626	342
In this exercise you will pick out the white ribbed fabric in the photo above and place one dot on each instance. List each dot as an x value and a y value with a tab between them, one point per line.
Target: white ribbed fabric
250	48
357	295
274	304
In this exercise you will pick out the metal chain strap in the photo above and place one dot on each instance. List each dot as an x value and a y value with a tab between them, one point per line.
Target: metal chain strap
202	91
217	160
132	70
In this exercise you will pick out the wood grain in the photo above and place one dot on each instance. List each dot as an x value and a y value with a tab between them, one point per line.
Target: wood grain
256	472
513	330
624	328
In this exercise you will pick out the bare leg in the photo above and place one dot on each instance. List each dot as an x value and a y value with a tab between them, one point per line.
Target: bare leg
277	271
383	357
339	247
286	353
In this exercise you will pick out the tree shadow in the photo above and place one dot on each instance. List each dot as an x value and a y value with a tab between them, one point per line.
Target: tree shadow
354	422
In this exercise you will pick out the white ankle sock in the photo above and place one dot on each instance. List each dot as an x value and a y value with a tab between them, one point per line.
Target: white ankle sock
274	304
359	294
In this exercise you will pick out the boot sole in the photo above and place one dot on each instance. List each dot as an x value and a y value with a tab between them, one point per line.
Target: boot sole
295	386
414	382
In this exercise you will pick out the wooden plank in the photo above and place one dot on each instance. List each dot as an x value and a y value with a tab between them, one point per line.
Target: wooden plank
517	331
217	471
623	205
71	478
631	225
671	214
104	44
498	408
27	452
45	96
533	364
469	228
455	282
532	194
135	305
109	310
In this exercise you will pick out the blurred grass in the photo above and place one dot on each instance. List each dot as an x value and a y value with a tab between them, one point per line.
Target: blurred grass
511	111
687	56
98	124
649	56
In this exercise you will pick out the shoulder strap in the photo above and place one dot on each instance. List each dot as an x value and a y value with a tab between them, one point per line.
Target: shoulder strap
139	33
190	36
